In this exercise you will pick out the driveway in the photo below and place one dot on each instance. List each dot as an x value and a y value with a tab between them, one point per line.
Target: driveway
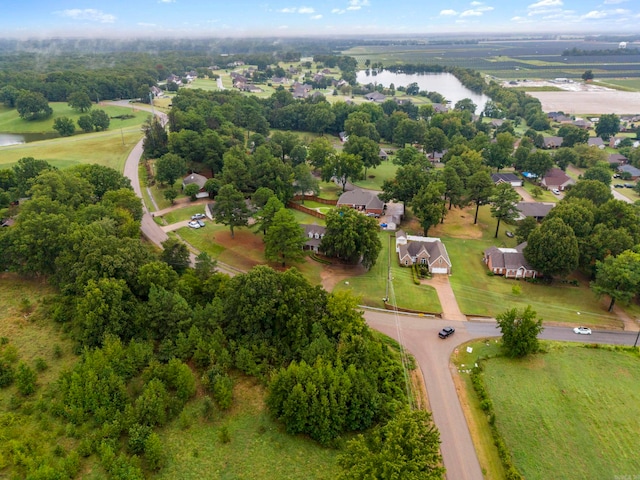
450	309
526	196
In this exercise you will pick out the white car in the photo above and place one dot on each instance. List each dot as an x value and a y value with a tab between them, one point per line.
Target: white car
556	191
194	224
582	330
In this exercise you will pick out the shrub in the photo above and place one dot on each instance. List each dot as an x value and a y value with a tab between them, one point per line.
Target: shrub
7	374
41	364
154	452
223	435
57	351
25	379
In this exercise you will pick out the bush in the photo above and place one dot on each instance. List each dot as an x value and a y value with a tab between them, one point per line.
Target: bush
154	452
7	374
223	435
25	379
41	364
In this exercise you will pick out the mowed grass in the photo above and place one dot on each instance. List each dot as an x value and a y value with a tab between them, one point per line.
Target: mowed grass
625	84
258	446
573	412
371	286
376	176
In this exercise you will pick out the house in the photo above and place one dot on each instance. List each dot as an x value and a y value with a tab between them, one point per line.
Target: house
199	180
439	108
157	92
635	173
617	159
556	178
402	101
301	90
362	200
537	210
174	79
509	262
383	155
615	141
558	117
510	178
496	122
596	142
435	157
581	123
314	234
552	142
343	136
375	97
428	251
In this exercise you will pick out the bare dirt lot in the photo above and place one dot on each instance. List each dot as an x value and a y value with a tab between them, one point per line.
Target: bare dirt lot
581	97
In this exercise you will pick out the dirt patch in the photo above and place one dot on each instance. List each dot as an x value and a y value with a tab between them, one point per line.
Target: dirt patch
245	249
331	275
597	102
458	224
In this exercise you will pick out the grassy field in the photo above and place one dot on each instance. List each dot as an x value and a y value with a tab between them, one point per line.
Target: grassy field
375	176
371	286
572	412
258	447
624	84
109	148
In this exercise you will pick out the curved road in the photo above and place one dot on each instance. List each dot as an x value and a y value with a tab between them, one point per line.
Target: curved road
420	336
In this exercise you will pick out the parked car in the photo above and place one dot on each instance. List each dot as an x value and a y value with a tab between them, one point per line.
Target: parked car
629	185
619	185
446	332
582	330
556	191
201	223
509	234
194	224
374	215
198	216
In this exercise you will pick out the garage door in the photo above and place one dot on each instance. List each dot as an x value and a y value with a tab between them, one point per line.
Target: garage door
439	270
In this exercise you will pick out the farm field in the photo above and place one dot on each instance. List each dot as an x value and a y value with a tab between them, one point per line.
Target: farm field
560	421
589	102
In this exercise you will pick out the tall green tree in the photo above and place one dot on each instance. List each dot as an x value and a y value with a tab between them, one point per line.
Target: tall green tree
351	236
427	205
520	330
503	204
608	125
79	101
64	126
264	216
407	183
407	447
320	150
305	182
32	106
572	134
175	254
480	189
169	168
368	150
553	248
284	239
100	120
593	190
156	139
618	277
230	208
343	167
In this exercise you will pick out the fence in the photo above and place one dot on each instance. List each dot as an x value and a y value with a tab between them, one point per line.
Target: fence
313	198
302	208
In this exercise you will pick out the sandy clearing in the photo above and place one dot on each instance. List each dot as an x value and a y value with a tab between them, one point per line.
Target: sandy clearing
597	102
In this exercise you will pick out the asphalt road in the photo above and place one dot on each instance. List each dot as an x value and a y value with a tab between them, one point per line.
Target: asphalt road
419	335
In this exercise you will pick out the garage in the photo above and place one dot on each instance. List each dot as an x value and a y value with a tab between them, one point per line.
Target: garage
440	270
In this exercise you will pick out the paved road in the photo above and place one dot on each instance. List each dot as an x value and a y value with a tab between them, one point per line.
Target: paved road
420	336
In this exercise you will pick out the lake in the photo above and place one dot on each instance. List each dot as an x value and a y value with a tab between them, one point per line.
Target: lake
7	139
444	83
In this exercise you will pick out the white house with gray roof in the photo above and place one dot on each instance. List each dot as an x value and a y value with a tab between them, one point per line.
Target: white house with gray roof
509	262
412	249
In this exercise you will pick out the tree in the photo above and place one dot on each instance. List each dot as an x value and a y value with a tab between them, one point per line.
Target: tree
480	188
191	191
407	183
25	378
524	228
156	140
553	248
64	126
284	239
593	190
618	277
175	254
169	168
407	447
365	148
32	106
608	126
466	105
85	123
503	204
320	149
304	181
343	167
79	101
351	236
539	163
599	172
171	194
587	75
427	205
498	154
25	173
520	330
264	217
572	134
230	208
565	156
434	140
100	120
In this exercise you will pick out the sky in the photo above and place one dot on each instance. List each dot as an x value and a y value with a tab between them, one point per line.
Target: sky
228	18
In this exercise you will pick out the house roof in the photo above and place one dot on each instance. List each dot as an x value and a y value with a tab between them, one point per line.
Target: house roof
631	169
196	178
534	209
595	142
369	199
550	142
505	177
509	258
434	249
556	177
313	234
617	158
375	97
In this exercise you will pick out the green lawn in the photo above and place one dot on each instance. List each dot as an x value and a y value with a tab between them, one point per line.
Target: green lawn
184	213
624	84
573	412
259	448
375	176
371	286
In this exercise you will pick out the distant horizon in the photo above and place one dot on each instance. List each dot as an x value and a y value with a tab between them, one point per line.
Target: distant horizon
38	19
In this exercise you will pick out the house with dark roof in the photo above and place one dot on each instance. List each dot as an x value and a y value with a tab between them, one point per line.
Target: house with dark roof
362	200
552	142
556	178
314	234
427	251
635	173
510	178
440	108
581	123
537	210
383	155
509	262
196	178
617	159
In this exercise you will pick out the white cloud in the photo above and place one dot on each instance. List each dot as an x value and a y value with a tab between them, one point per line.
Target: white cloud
358	4
475	4
621	11
545	4
143	24
613	2
445	13
316	17
166	1
303	10
594	14
471	13
338	11
88	14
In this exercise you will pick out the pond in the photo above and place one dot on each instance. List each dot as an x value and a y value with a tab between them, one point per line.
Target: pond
444	83
7	139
